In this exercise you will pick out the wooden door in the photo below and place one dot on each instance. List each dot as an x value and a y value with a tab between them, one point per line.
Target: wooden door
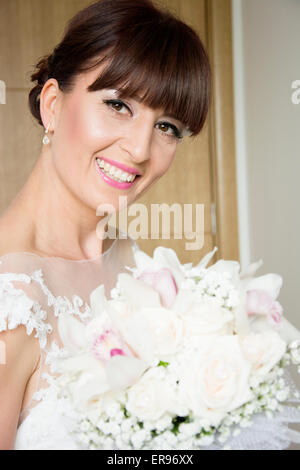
203	171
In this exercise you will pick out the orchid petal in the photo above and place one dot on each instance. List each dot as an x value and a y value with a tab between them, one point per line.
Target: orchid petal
144	261
135	331
75	365
72	333
137	293
251	269
98	300
163	282
167	258
206	259
123	371
285	329
242	324
270	283
183	301
90	390
221	266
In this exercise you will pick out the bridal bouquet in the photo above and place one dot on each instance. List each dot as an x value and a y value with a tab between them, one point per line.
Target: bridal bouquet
180	357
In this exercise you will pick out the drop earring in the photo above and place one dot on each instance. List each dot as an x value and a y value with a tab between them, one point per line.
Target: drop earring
46	139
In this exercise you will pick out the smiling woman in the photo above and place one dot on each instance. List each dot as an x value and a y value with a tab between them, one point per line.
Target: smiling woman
116	96
113	92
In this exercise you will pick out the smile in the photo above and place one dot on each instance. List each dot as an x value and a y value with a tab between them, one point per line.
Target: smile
115	176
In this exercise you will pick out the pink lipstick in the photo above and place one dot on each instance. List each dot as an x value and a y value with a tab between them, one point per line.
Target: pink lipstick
123	167
113	183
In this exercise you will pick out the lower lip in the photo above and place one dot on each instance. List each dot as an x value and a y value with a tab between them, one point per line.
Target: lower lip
113	183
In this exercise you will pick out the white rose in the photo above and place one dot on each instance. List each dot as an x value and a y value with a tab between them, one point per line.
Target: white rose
206	317
166	329
216	379
148	398
263	350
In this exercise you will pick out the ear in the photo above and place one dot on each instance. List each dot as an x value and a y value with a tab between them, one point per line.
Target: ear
50	99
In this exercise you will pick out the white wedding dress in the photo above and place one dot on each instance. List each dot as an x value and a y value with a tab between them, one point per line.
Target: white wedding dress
34	291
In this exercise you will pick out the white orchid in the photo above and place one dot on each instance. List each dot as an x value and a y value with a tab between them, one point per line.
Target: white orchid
266	312
98	359
162	258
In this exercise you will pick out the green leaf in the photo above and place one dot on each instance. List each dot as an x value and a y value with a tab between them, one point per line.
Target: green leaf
163	364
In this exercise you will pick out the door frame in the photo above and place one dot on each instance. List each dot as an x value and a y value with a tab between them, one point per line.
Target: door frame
222	128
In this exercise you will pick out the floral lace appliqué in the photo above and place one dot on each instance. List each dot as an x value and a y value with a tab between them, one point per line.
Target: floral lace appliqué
19	309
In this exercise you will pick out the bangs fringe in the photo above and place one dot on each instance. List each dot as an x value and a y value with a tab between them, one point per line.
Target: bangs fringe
168	68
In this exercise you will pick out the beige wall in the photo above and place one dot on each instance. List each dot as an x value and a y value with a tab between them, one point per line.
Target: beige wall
267	61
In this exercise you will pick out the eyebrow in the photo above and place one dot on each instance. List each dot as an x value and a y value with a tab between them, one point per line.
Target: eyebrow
137	98
186	131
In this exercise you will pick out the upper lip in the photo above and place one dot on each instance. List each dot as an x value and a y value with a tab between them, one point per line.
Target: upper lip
123	167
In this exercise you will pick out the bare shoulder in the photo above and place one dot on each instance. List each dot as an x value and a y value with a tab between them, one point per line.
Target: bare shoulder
19	346
19	350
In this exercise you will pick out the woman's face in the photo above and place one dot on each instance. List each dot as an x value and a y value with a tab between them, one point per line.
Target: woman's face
97	125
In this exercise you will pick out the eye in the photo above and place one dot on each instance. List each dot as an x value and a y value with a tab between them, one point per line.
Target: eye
169	130
118	106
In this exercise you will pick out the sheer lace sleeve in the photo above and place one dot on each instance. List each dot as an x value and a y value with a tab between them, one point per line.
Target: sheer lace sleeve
17	308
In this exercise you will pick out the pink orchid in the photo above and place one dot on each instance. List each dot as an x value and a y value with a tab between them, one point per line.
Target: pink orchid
108	345
163	282
259	302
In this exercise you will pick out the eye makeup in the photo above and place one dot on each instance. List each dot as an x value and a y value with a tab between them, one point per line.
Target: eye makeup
117	105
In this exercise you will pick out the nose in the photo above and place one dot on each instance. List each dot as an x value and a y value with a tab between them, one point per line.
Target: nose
138	140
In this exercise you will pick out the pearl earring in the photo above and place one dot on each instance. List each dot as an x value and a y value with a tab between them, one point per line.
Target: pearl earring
46	139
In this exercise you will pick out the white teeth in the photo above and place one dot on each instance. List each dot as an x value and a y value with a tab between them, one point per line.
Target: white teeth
115	173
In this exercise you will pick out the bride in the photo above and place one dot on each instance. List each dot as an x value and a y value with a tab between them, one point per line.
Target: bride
119	92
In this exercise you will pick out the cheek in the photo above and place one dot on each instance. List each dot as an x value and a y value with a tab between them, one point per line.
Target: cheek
75	125
77	139
84	128
80	125
164	157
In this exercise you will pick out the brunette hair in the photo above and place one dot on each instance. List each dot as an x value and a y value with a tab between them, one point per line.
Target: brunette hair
146	50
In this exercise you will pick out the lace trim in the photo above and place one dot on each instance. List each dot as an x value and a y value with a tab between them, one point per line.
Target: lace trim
19	309
62	304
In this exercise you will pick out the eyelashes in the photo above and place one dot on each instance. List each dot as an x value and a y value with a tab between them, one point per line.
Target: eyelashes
117	105
114	103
